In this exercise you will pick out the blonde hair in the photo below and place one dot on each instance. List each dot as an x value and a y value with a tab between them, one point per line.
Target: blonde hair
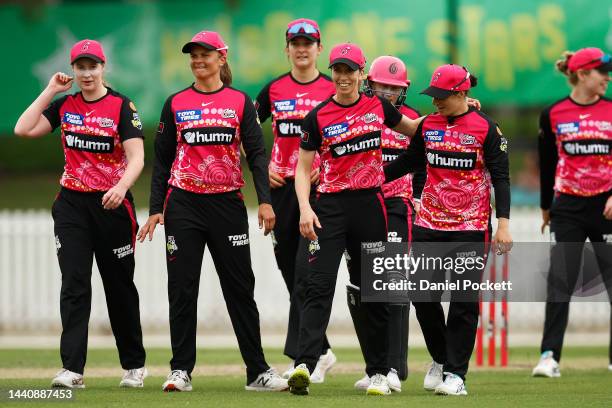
562	66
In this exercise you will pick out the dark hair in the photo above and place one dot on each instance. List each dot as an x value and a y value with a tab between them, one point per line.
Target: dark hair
226	74
562	66
473	81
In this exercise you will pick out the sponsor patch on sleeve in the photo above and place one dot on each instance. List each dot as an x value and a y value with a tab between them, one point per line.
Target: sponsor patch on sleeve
305	137
503	145
160	127
136	121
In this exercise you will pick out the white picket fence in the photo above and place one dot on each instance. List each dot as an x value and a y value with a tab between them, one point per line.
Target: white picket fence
30	283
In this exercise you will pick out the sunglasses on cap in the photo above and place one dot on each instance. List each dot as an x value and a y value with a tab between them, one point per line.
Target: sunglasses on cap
604	59
305	27
467	76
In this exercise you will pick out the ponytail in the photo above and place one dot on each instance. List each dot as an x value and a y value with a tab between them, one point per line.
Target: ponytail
226	74
562	66
473	81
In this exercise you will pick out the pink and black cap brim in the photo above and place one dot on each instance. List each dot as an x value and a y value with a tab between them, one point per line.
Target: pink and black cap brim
607	67
90	56
187	47
436	92
350	63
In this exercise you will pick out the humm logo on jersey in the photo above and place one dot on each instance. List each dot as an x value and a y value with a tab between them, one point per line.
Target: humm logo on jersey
289	127
287	105
335	130
208	136
388	154
451	160
359	144
434	135
89	143
587	147
188	115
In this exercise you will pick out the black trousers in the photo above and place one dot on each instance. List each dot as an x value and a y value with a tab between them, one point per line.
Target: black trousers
450	342
572	220
347	218
293	263
401	221
220	221
84	228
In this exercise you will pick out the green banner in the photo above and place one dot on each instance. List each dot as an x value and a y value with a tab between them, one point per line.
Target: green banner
510	46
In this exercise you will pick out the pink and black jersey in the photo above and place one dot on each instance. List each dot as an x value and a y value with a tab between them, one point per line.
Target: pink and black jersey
463	155
393	144
575	147
92	135
348	138
288	101
197	147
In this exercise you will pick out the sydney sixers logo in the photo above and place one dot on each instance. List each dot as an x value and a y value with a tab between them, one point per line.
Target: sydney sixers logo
171	246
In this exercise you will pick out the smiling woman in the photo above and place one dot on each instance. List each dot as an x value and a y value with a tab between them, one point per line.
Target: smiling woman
286	100
345	130
195	194
94	211
575	147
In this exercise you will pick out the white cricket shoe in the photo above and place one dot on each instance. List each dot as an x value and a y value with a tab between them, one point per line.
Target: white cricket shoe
325	363
363	383
610	367
68	379
452	385
299	380
547	366
394	382
379	385
289	370
134	378
178	380
268	381
434	376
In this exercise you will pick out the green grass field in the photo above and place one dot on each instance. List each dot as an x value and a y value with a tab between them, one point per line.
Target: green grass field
585	382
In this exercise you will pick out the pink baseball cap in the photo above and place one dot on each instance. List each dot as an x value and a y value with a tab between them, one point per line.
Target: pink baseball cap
87	49
303	27
590	58
208	39
349	54
447	79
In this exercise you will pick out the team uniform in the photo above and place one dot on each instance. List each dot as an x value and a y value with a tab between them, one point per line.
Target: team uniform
398	199
287	101
461	164
92	134
575	147
348	138
196	184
